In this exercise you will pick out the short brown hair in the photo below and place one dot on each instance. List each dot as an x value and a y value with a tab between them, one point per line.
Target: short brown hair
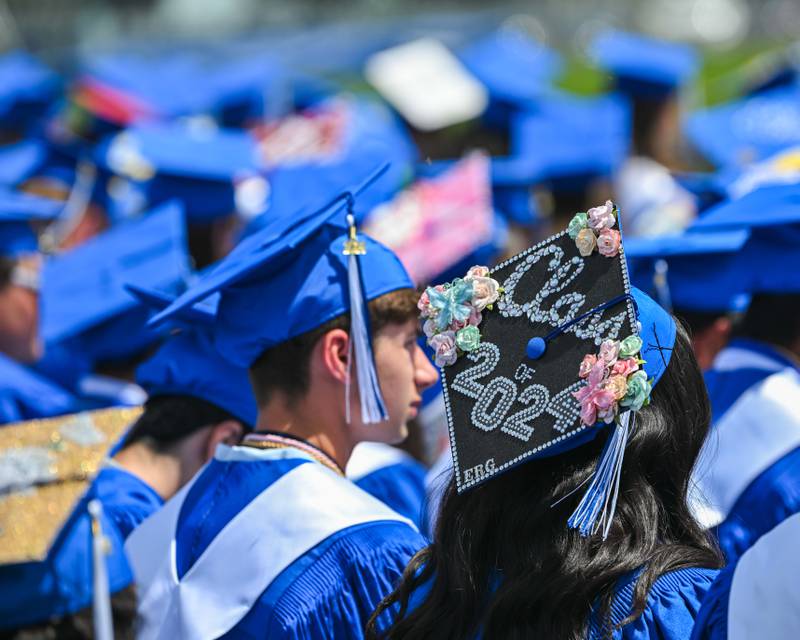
285	367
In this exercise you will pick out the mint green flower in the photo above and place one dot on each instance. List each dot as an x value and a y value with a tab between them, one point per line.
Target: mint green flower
578	222
630	346
638	391
468	338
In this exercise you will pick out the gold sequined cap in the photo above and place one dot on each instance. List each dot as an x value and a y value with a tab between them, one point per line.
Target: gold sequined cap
45	467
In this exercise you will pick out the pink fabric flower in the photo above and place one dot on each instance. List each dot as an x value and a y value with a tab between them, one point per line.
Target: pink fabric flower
608	243
609	351
444	347
602	217
424	305
625	367
597	373
589	360
596	404
474	319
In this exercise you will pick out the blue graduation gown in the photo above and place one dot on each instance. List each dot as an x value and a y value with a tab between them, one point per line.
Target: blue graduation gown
756	597
392	476
268	544
126	499
749	473
672	606
25	395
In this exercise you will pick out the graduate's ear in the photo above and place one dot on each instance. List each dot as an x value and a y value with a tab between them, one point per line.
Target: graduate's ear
331	353
228	432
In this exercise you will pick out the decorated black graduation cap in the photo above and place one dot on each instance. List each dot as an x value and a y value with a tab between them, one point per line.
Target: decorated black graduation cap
644	66
213	172
543	352
58	553
83	296
304	268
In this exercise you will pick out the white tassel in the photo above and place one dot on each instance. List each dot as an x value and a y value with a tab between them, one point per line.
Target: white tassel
596	508
373	408
101	609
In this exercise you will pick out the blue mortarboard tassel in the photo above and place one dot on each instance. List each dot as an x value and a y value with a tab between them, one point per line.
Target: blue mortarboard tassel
101	608
373	408
599	503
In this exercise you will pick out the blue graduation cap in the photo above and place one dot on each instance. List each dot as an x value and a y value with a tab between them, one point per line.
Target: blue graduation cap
25	395
745	131
768	262
690	272
644	67
515	68
566	139
213	172
189	364
83	298
20	160
58	553
18	212
27	89
314	267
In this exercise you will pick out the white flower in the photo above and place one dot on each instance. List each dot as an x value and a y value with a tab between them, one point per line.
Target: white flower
477	272
444	347
485	291
602	217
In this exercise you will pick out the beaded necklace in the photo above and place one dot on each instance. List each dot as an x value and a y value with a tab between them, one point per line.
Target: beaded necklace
272	440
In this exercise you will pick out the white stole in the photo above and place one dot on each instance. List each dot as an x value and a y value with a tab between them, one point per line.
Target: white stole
290	517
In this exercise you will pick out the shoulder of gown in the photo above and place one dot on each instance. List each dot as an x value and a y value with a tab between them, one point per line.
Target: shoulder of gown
332	590
672	605
127	500
400	486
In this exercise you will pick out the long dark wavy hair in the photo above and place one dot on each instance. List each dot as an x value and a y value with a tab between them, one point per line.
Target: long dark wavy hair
504	563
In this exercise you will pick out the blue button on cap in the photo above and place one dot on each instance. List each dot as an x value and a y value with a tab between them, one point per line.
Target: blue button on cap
536	348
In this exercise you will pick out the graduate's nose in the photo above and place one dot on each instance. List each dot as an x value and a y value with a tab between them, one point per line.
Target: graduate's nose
425	374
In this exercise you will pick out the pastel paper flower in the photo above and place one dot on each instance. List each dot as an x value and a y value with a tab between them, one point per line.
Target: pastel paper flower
424	305
609	351
475	318
589	360
602	217
444	348
429	328
485	291
597	374
630	346
579	221
638	391
453	303
468	338
608	243
586	242
624	367
596	404
477	272
618	385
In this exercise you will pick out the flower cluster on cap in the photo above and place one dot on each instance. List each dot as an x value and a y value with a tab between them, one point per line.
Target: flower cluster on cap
614	379
452	313
594	229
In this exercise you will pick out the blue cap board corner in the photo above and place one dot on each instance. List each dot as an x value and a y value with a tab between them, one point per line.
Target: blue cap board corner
49	563
20	212
643	66
188	363
83	297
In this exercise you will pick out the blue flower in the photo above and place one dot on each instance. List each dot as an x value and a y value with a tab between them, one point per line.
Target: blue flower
452	304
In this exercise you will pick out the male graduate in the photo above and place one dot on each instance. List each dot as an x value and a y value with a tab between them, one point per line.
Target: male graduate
270	540
749	474
195	401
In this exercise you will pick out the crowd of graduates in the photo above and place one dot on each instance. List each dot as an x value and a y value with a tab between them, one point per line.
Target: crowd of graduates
225	389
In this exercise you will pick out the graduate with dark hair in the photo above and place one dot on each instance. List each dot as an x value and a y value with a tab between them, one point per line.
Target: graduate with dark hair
270	539
576	411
